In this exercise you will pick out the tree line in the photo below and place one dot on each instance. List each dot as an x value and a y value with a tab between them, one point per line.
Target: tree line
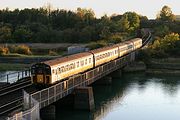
44	25
166	35
80	26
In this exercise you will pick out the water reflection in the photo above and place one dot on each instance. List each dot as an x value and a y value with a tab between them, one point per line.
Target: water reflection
133	97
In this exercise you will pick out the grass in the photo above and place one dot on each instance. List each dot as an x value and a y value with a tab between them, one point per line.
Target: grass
13	67
167	60
27	56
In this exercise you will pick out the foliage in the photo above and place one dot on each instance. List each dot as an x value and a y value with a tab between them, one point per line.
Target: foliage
168	45
52	53
5	33
161	30
166	14
4	50
134	20
22	34
95	45
45	25
21	49
124	23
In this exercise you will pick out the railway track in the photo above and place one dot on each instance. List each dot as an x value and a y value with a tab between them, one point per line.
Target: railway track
14	87
12	95
13	102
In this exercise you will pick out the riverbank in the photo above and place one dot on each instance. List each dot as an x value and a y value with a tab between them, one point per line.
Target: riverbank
169	66
135	67
26	59
13	66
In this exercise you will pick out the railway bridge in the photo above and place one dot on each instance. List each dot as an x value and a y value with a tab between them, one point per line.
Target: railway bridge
32	99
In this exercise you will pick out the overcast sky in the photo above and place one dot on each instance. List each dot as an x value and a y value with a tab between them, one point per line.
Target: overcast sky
148	8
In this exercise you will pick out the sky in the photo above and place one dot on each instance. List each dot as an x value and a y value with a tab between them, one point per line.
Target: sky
148	8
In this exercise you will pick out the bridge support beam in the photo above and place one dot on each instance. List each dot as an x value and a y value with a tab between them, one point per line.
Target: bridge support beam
107	80
84	99
48	113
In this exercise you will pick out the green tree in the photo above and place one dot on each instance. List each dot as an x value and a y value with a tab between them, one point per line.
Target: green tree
134	20
124	23
5	33
22	34
163	47
168	42
166	14
87	15
104	27
87	34
161	30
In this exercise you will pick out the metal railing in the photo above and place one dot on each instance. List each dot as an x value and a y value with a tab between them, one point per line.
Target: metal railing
14	77
31	112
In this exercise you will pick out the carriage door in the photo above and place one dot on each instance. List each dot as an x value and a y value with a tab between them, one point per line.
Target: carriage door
47	74
47	79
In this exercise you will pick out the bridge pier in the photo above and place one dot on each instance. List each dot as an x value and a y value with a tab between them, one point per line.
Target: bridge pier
84	99
48	113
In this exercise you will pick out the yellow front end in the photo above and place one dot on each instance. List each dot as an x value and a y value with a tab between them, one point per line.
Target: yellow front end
40	79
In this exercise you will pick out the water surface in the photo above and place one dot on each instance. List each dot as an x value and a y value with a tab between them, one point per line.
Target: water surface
132	97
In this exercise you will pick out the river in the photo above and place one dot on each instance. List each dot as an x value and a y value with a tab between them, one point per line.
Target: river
132	97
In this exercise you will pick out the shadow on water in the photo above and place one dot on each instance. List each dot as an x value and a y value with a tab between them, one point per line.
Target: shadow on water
109	96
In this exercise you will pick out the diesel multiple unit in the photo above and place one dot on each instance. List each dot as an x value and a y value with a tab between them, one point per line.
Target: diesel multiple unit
52	71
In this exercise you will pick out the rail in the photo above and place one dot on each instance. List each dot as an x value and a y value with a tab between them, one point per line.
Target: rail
15	87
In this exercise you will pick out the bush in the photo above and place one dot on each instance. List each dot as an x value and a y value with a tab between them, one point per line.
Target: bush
22	49
116	38
52	53
4	50
99	44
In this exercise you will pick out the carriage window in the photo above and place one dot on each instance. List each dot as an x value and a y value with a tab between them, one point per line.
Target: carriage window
53	71
77	64
89	60
67	67
74	66
97	57
71	66
130	46
62	69
86	62
100	56
82	63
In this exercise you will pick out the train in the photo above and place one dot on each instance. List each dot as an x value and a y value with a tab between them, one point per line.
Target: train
56	70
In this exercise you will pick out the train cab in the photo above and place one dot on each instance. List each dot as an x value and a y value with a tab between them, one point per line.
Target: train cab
41	73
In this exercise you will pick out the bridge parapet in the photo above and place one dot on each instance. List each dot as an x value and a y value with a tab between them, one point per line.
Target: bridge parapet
31	110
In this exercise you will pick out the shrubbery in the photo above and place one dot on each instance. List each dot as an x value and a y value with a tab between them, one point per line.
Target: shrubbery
52	53
4	50
164	47
21	49
99	44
